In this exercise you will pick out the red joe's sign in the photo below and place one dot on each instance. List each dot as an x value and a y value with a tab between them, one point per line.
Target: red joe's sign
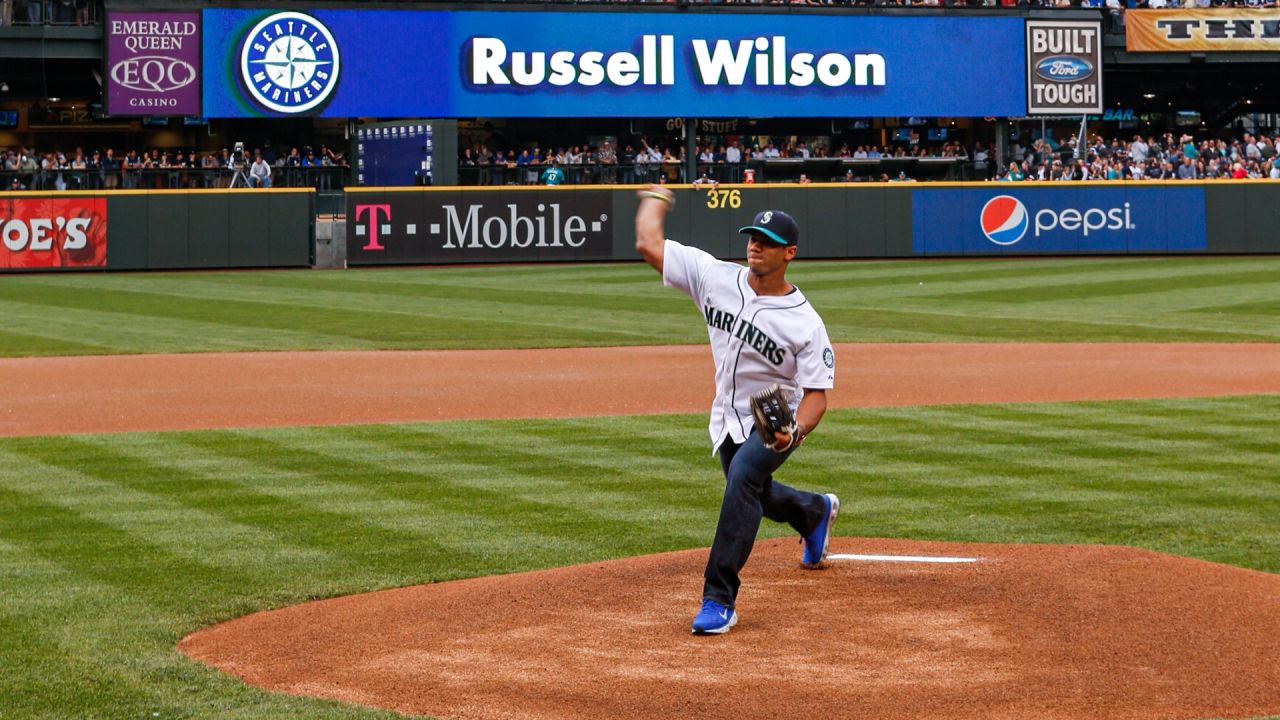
53	232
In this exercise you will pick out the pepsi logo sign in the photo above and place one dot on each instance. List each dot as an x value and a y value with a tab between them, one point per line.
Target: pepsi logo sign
1064	68
1004	220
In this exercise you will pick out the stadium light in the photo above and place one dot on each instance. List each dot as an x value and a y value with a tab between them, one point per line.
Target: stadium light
1149	96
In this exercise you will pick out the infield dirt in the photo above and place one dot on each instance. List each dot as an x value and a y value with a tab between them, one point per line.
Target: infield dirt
46	396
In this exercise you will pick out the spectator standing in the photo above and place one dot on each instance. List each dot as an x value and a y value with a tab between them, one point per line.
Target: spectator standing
1251	149
1266	147
29	167
733	153
110	170
628	162
130	167
980	162
1138	150
93	171
608	158
523	162
553	175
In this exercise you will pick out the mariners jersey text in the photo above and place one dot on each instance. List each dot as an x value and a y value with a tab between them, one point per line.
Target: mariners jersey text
746	332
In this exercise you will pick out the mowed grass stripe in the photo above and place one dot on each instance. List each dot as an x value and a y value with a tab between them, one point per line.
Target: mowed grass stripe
1119	287
116	557
313	533
926	277
1098	445
119	332
531	484
1076	299
550	475
149	499
512	528
876	324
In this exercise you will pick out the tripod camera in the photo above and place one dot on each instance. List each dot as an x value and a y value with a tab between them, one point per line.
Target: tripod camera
238	163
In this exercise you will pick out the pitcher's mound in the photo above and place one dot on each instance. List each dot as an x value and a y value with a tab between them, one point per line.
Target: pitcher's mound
1039	631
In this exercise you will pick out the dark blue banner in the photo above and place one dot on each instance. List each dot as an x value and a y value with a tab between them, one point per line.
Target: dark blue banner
1062	218
417	63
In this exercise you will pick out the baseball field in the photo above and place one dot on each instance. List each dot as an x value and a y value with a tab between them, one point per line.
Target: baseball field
116	544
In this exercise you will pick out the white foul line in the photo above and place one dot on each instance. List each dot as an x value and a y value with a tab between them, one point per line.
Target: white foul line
903	558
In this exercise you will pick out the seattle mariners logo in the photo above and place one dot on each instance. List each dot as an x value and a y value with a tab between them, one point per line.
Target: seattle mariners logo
289	63
1004	220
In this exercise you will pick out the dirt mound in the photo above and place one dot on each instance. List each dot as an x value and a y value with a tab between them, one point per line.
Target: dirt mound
1036	631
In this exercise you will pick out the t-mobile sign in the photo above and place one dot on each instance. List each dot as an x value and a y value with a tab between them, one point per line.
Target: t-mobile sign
152	61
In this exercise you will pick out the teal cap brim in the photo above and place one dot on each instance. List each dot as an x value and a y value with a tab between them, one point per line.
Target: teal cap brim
764	231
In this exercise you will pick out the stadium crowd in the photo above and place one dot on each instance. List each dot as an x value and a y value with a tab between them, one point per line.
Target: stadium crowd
642	162
23	168
1161	157
1154	157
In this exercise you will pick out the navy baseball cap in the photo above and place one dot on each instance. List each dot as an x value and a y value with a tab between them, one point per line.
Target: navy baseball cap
775	225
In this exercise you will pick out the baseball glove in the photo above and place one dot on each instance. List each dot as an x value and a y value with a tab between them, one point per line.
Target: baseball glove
773	415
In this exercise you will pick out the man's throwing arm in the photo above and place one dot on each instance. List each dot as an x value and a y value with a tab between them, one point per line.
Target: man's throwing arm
655	202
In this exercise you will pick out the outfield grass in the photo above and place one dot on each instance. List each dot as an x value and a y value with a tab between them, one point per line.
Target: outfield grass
112	547
1232	299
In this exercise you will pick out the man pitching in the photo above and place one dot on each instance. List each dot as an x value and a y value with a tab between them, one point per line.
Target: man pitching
763	332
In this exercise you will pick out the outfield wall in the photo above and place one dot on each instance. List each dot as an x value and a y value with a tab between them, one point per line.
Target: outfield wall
171	229
157	229
862	220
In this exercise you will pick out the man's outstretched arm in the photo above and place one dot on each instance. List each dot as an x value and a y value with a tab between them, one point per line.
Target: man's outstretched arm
655	202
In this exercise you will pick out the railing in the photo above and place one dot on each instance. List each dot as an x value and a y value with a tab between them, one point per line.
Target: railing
771	170
593	174
321	178
51	12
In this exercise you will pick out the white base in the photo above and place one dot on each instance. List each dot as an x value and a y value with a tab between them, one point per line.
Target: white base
903	558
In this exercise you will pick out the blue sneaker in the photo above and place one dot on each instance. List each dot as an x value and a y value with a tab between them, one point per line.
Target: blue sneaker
815	543
714	619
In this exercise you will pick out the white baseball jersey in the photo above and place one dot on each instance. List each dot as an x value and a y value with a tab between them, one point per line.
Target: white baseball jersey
756	340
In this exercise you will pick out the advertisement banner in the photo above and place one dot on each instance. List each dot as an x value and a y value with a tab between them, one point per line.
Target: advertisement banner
1068	219
1208	30
422	63
53	232
153	61
427	227
1064	67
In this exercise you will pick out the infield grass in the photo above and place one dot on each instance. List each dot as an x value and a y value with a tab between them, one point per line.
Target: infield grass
1187	299
113	547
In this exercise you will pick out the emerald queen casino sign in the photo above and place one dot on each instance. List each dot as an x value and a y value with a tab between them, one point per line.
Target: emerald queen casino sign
398	63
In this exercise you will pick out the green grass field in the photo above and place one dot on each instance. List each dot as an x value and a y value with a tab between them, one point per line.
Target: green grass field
112	547
1227	299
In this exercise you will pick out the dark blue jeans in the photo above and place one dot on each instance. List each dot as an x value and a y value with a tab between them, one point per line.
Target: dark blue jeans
750	492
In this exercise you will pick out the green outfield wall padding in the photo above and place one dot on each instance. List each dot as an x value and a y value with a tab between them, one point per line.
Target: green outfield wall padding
127	232
1225	219
166	230
1262	217
209	247
169	244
